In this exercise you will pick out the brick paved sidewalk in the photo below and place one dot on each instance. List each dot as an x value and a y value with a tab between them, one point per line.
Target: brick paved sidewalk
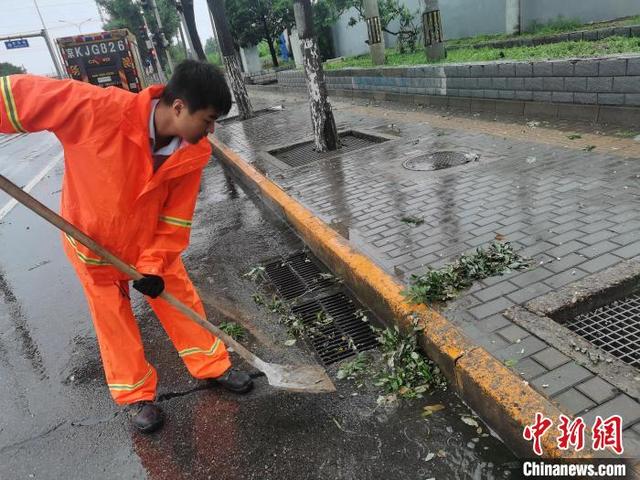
575	213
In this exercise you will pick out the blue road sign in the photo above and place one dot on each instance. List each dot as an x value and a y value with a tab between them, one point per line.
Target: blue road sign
22	43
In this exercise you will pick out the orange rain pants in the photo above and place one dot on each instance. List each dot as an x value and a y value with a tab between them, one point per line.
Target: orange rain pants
111	192
130	377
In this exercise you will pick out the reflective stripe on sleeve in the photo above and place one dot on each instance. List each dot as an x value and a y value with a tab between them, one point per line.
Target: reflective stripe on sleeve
85	258
10	104
178	222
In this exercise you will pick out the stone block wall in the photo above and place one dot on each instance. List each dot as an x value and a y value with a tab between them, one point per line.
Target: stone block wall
603	81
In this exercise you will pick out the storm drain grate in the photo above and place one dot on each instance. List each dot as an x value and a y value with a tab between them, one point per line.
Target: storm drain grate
296	275
304	153
256	113
439	161
614	328
334	328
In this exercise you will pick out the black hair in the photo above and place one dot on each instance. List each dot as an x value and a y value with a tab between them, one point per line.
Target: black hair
200	85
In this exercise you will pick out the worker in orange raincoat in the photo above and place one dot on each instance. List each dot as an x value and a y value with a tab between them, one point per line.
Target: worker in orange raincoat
133	164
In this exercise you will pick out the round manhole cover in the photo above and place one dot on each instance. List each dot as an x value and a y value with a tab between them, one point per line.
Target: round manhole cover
439	160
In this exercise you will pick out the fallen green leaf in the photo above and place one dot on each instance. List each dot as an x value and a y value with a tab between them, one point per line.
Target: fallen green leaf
431	409
411	220
470	421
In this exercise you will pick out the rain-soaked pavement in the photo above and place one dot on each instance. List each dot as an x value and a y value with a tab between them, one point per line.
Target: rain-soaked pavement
57	417
566	201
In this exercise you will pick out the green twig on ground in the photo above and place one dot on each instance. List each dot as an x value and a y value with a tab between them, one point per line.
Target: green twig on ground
403	370
412	220
234	330
407	373
255	274
626	134
444	284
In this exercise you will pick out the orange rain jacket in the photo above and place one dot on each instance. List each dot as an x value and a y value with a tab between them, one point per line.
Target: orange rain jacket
110	191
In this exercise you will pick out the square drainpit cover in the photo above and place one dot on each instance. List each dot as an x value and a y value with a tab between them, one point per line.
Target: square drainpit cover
615	328
304	153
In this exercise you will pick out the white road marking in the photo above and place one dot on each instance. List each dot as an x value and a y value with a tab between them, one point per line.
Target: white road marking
34	181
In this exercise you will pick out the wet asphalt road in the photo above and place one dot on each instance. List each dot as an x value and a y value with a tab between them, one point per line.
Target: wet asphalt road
57	419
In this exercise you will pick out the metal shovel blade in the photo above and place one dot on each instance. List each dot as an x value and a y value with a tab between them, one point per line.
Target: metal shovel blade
298	378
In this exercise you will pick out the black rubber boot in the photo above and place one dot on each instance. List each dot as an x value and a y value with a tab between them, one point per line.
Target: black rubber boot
235	381
147	417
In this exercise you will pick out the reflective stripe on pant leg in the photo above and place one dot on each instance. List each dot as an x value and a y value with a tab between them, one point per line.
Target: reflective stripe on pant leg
129	376
202	352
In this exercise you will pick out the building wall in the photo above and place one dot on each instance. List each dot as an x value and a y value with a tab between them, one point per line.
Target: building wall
543	11
349	41
466	18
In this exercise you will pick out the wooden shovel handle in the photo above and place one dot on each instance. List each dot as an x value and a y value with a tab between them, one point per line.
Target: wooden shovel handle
59	222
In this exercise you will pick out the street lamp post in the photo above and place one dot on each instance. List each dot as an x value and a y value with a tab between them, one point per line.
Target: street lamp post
78	25
48	41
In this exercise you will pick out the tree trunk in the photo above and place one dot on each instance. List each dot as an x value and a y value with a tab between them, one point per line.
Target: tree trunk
192	31
434	41
512	15
376	39
230	59
324	126
237	85
267	35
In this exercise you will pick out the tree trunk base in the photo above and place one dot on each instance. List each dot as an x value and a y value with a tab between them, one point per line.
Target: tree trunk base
324	126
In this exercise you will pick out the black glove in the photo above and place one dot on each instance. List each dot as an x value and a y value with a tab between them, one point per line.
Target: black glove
151	285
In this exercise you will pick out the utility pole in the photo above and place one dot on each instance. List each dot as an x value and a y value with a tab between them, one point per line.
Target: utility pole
324	126
41	33
230	59
161	76
47	40
163	38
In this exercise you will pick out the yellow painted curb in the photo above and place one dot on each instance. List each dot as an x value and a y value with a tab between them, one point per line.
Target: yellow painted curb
501	398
